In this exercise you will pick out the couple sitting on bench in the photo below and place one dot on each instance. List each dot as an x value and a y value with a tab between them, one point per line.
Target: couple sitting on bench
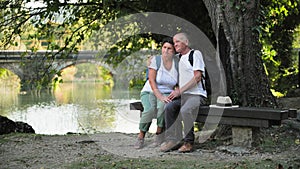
159	93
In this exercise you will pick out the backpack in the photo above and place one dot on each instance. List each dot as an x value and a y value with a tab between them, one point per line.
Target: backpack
158	62
206	85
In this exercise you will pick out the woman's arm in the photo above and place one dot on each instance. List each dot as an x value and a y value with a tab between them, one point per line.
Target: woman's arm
156	92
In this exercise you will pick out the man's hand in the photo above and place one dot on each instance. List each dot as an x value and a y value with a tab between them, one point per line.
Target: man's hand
165	99
175	93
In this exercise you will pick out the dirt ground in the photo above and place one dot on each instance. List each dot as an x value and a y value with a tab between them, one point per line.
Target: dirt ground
279	145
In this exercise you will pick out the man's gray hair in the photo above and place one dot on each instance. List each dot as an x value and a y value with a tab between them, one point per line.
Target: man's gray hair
184	37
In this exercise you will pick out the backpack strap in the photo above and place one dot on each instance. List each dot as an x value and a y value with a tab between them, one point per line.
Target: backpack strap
191	57
158	61
176	61
191	60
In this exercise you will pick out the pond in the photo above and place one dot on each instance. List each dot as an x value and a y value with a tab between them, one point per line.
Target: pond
85	107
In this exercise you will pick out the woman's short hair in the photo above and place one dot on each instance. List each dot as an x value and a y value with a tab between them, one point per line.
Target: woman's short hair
167	40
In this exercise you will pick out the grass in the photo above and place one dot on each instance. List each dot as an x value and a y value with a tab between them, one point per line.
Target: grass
278	139
113	162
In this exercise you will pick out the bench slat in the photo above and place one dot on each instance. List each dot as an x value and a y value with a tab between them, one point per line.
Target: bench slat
136	106
236	116
246	122
246	112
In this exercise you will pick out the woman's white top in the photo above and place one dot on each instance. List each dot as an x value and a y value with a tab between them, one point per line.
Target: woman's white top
165	79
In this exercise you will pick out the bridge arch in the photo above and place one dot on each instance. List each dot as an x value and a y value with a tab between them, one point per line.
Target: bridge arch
64	65
11	60
14	79
14	68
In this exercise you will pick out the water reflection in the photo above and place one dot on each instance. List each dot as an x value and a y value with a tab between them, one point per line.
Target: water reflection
73	107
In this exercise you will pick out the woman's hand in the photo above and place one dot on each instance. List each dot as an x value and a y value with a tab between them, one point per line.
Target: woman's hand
165	99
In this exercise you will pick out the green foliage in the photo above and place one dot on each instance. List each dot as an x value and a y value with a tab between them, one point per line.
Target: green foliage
279	22
119	51
105	75
137	83
66	26
61	26
296	43
7	78
3	72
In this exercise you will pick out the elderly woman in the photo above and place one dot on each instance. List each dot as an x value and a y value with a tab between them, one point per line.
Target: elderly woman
163	76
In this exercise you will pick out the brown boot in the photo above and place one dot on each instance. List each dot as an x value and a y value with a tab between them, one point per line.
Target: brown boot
186	148
168	146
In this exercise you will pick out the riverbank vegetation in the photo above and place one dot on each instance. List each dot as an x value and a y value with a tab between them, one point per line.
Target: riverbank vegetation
9	79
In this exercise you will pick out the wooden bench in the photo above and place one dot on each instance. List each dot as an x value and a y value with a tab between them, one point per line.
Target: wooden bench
242	119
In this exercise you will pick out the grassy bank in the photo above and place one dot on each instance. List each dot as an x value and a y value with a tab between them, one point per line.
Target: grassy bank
110	161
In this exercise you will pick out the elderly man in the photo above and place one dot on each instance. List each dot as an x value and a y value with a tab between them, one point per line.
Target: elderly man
186	99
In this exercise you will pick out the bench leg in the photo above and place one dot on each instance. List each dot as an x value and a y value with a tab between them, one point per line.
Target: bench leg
242	136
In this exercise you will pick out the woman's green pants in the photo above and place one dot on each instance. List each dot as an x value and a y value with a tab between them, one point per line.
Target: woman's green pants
153	108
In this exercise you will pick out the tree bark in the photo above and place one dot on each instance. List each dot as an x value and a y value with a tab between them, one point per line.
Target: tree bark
247	81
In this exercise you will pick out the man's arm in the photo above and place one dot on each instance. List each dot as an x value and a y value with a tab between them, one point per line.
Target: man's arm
192	83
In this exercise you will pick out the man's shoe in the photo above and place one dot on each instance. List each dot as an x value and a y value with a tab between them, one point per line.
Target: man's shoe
139	143
168	146
186	148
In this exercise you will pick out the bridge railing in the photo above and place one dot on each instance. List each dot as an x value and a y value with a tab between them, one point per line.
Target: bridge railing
17	55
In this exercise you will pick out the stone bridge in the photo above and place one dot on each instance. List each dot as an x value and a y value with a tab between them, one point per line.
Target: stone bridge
29	66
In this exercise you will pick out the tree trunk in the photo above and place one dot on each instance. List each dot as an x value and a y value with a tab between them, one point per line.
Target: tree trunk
247	81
